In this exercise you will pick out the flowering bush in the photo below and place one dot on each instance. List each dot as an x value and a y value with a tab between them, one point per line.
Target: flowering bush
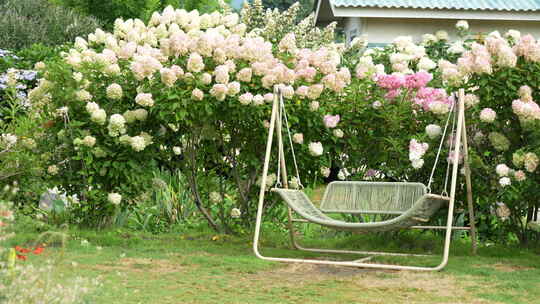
186	90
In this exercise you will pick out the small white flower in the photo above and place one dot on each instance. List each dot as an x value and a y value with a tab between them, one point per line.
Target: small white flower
215	197
426	64
377	104
462	25
177	150
338	133
40	65
298	138
441	35
433	131
325	171
114	198
91	107
417	163
235	213
8	140
505	181
83	95
502	170
89	141
513	34
316	149
144	99
52	169
488	115
137	143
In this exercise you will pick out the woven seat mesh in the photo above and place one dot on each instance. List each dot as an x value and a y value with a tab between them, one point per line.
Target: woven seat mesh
371	197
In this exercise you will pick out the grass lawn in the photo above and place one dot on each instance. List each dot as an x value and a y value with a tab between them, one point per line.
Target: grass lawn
199	267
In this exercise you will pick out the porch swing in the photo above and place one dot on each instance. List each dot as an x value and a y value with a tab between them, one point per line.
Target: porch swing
411	204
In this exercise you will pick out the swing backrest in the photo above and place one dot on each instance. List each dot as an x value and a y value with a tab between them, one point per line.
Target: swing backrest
371	197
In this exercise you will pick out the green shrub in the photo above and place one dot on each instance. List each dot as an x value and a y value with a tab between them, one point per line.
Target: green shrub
25	22
109	10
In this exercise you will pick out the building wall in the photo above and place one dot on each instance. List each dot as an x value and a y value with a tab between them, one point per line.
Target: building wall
384	30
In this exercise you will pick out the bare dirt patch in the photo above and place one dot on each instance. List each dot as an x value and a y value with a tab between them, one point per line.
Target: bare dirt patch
509	267
414	287
158	266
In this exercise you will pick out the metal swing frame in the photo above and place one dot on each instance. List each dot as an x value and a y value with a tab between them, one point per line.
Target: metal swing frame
461	137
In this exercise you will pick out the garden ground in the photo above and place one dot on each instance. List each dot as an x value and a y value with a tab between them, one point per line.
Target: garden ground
200	267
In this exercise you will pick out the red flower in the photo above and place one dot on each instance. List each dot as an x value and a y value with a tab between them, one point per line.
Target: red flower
38	250
21	257
22	250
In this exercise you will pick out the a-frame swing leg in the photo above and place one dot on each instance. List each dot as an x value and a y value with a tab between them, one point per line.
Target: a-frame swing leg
448	229
468	184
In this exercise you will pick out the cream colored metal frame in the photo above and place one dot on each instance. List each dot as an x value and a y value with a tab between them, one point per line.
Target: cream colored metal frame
460	137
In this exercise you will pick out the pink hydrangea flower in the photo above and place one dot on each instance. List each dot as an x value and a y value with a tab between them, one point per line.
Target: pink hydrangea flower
417	80
391	82
331	121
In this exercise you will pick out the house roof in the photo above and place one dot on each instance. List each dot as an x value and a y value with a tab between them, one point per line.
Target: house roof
515	10
493	5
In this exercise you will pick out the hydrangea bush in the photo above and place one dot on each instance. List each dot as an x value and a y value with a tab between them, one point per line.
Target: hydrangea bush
185	91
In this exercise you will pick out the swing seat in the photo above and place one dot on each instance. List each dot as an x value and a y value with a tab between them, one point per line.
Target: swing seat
410	203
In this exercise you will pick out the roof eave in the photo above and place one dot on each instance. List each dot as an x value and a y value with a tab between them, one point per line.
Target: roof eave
374	12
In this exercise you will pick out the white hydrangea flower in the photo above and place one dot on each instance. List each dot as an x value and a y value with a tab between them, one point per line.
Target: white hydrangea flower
99	116
514	34
462	25
140	114
144	99
114	91
502	170
441	35
417	163
235	213
91	107
137	143
78	76
426	64
215	197
316	148
83	95
197	94
89	141
52	170
298	138
114	198
488	115
338	133
325	171
456	48
8	140
505	181
433	131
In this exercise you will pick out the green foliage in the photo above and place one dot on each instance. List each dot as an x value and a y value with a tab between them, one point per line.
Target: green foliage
306	6
109	10
26	22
